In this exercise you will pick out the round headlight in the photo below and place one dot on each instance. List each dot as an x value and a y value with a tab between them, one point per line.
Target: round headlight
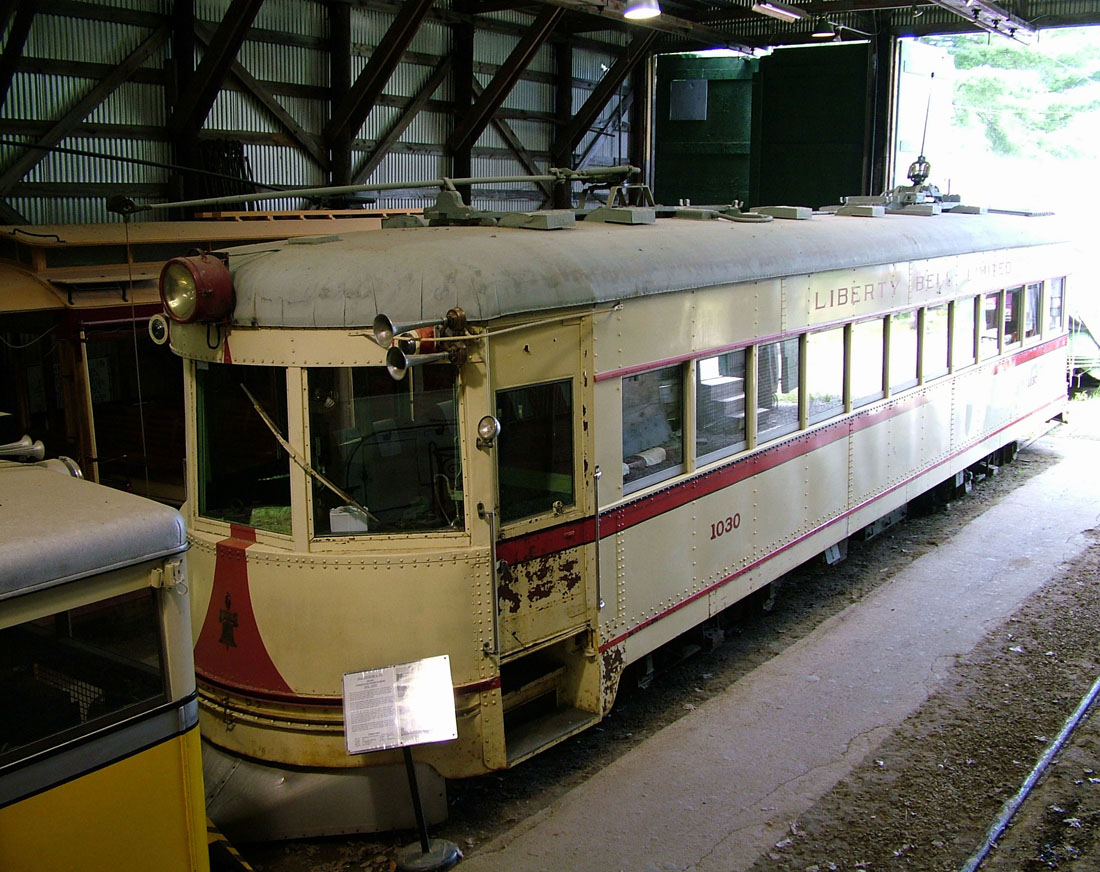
196	288
178	291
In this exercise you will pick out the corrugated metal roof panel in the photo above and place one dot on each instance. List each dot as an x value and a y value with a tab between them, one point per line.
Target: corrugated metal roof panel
527	94
428	128
284	63
66	38
235	111
65	167
293	16
38	96
131	103
283	165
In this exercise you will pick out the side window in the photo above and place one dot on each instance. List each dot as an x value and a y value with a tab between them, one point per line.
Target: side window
1014	304
720	405
934	351
962	333
1056	293
867	351
1033	302
391	446
777	388
903	350
77	671
825	374
653	447
243	472
989	341
535	449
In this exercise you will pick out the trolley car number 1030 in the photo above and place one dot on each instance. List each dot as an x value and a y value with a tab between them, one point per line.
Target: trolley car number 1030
726	525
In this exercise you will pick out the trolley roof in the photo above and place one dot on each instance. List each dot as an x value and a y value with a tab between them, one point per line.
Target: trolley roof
417	274
55	528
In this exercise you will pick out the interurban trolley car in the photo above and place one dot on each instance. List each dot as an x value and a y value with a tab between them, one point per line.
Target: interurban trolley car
100	767
546	447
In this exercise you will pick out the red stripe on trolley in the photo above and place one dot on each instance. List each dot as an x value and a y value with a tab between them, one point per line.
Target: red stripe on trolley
622	637
541	543
230	649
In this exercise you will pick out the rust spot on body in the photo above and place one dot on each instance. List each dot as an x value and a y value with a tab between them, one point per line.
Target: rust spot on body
505	592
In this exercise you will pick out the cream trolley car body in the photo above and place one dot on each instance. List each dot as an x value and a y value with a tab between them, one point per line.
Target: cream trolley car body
634	426
100	767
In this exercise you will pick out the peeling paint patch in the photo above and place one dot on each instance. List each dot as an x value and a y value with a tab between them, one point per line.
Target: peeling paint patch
612	663
506	593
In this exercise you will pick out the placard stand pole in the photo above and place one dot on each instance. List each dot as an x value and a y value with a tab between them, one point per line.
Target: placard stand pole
418	809
431	854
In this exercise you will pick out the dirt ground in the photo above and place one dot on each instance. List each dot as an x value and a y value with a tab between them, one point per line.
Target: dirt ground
925	798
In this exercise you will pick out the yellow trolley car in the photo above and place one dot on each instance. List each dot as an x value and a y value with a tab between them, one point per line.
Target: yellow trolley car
100	766
546	446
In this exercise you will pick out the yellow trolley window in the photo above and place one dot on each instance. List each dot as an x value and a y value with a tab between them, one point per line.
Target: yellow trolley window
74	672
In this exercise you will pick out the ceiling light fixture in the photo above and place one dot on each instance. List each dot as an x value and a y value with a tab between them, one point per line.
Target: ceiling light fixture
823	28
775	9
638	10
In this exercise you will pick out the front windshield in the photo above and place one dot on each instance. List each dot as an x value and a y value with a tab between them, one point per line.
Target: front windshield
243	473
390	446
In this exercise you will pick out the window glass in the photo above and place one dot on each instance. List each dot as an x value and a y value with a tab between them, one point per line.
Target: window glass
935	341
825	374
244	474
1033	296
777	388
535	449
903	350
867	357
1055	300
391	446
989	342
1014	302
720	405
77	671
652	426
962	336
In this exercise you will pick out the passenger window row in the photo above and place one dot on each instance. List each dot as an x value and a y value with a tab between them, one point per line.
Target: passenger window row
803	380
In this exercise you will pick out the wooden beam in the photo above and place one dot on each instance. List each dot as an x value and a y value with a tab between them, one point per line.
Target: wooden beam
562	152
462	40
474	122
352	111
339	80
305	140
586	116
17	38
195	103
61	128
390	137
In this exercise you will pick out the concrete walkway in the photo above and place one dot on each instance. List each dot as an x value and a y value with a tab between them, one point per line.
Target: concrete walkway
720	786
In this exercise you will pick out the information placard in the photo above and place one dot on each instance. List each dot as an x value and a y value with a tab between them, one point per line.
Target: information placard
401	705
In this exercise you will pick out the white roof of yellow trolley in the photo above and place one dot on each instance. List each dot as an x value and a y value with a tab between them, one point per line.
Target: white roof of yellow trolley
55	528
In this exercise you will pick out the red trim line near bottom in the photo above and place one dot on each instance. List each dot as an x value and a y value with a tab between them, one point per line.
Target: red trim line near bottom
618	640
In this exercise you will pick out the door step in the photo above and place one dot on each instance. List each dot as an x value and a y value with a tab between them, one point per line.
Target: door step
526	739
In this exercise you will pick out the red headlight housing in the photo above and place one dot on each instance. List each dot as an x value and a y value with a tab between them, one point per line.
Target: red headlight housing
196	288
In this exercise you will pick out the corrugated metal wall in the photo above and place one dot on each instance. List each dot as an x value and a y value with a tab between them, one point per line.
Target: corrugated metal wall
66	56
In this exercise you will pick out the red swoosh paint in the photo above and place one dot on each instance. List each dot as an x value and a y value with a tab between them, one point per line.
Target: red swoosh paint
230	650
